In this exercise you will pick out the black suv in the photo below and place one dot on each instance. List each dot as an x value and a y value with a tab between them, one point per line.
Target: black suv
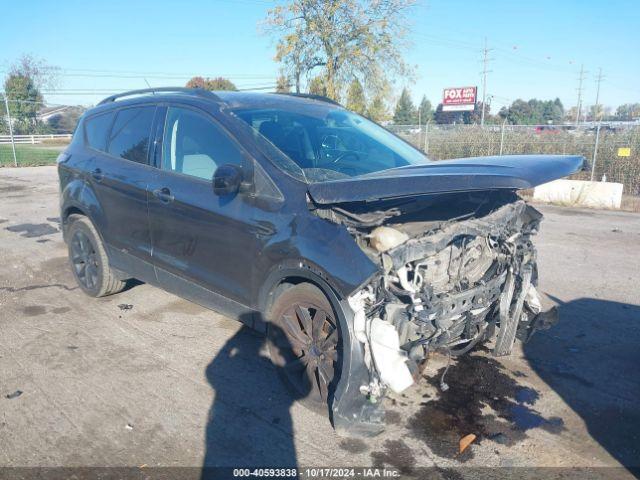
346	245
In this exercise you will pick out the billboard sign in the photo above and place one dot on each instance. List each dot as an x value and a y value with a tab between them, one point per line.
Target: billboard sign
459	99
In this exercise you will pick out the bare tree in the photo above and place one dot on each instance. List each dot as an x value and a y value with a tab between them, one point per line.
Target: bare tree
344	39
42	75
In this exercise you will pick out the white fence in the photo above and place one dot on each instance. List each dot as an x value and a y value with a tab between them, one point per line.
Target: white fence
32	139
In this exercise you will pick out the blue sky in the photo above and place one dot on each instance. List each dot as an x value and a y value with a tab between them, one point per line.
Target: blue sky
538	46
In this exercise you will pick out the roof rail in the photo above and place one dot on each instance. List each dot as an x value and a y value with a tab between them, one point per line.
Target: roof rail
311	96
191	91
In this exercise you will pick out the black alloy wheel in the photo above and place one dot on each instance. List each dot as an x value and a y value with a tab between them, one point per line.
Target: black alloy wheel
84	260
88	259
305	346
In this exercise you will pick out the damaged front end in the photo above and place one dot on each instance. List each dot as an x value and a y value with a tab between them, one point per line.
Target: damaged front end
455	271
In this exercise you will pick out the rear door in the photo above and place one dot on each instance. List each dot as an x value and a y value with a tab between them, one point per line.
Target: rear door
120	175
198	236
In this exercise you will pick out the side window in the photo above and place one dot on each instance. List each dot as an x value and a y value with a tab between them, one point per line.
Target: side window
96	130
194	145
130	134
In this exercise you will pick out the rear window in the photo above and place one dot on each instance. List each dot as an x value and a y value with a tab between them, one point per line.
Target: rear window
130	134
96	129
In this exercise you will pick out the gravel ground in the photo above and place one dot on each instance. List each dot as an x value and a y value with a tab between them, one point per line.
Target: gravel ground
144	378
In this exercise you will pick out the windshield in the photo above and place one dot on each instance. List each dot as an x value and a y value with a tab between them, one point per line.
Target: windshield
330	143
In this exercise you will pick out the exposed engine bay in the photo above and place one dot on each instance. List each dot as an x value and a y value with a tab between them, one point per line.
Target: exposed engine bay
454	272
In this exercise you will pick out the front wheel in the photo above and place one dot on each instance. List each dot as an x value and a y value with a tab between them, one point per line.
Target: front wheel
305	345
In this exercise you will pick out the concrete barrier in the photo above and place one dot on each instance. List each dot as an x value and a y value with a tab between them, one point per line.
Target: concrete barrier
580	192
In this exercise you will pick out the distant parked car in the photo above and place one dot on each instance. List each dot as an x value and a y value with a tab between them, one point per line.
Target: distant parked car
355	253
546	129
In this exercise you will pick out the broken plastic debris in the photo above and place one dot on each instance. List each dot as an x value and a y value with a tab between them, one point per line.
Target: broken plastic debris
128	426
390	359
13	395
466	441
386	238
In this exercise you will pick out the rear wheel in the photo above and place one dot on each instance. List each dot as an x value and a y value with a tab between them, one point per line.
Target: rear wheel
304	344
88	260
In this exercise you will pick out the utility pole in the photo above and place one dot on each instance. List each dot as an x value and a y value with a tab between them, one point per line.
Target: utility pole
485	61
13	143
580	80
599	79
599	122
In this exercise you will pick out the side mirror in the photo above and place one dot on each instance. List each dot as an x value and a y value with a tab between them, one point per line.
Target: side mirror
227	179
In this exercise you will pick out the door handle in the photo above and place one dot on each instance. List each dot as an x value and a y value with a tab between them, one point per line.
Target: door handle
163	194
97	175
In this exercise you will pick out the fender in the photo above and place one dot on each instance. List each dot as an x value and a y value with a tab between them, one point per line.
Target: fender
77	194
305	243
351	412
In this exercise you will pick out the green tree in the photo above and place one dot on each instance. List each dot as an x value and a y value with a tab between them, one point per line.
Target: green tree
425	110
25	78
628	111
356	102
344	39
4	128
218	83
318	86
24	102
282	84
377	110
405	112
596	112
534	112
570	114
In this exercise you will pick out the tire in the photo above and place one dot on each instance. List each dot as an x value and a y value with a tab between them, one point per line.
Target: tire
304	342
88	259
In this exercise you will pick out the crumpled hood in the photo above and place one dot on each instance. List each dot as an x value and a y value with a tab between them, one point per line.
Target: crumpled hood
508	172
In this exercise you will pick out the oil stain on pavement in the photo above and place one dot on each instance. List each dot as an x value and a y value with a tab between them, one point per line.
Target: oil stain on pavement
396	454
32	230
482	399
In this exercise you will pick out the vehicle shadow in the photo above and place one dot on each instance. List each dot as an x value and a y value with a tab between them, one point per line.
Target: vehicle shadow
249	423
591	359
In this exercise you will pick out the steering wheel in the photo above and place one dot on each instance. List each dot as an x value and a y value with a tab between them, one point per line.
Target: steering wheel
344	155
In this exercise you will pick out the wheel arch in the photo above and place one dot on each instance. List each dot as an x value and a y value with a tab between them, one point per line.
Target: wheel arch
78	198
350	410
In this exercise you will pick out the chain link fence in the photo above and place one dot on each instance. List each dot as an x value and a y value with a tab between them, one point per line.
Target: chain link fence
601	146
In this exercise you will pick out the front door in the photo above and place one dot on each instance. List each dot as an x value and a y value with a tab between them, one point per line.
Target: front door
197	235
